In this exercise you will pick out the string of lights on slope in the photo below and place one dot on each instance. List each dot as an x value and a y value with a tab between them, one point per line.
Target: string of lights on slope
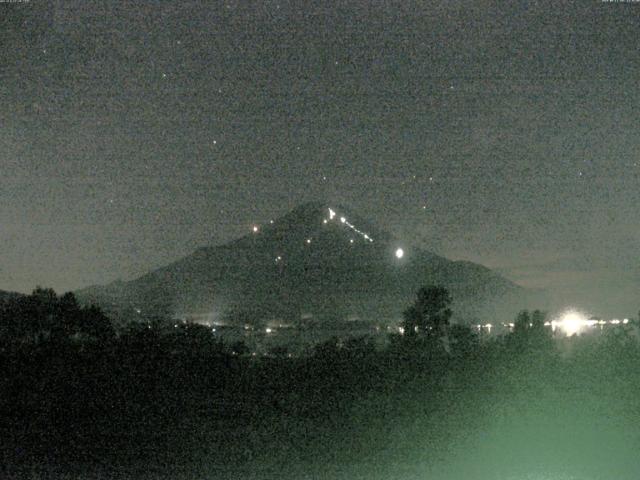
332	215
399	253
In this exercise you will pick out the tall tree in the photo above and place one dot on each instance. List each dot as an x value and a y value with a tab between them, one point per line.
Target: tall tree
96	324
430	313
522	322
537	320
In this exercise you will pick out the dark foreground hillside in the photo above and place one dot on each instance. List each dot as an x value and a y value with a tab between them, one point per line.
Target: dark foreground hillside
507	409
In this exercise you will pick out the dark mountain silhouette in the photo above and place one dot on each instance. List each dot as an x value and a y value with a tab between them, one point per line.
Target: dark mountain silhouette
317	263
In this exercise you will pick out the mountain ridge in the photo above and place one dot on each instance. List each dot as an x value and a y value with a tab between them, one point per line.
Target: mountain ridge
318	261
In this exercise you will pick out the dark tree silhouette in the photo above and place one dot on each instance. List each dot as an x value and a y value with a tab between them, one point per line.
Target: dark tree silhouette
464	339
521	324
359	347
529	331
330	348
279	351
537	320
43	316
95	324
239	348
430	312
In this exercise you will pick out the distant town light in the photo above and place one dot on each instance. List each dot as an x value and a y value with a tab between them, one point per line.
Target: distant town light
399	253
343	220
308	240
331	214
255	229
571	323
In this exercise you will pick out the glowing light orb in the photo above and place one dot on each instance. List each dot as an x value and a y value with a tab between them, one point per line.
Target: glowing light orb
255	229
571	323
399	253
343	220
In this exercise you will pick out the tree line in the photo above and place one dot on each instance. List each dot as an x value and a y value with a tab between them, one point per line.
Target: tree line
45	316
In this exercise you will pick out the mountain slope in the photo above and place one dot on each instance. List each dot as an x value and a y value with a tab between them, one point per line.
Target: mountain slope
318	261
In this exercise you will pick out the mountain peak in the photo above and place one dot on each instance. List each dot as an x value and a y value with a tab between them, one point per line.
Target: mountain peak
318	218
318	259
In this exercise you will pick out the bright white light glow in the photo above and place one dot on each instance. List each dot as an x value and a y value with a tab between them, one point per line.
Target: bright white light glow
399	253
572	323
308	240
255	229
343	220
331	214
268	330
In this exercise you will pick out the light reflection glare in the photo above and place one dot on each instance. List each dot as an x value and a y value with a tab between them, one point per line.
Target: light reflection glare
572	323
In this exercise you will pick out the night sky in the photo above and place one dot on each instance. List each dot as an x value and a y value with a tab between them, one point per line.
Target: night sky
132	133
